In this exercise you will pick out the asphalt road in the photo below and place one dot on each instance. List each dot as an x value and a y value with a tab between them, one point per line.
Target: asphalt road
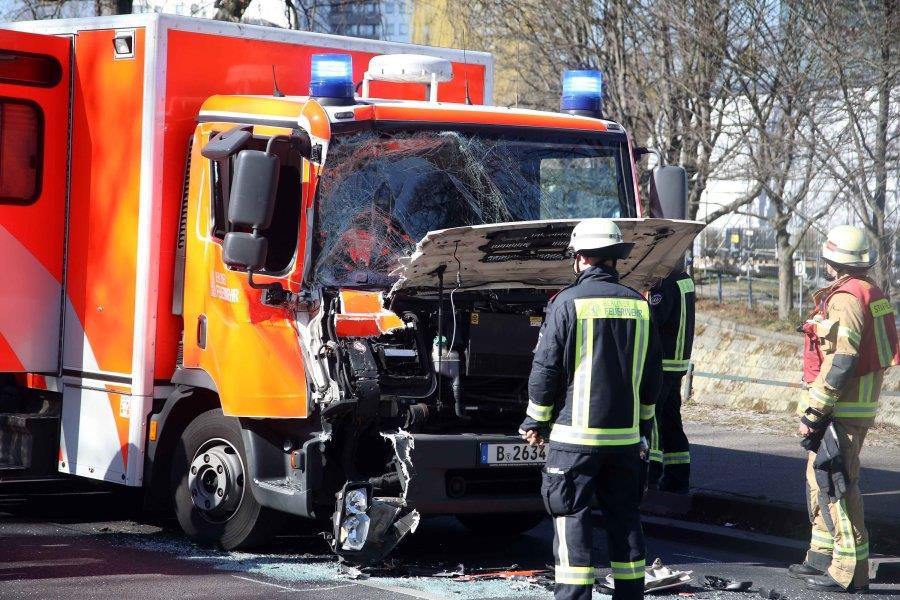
76	546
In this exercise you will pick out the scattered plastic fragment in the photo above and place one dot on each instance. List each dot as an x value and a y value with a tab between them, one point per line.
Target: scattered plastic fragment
721	583
508	574
772	594
657	578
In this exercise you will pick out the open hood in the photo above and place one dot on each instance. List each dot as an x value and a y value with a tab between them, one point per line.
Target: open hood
533	254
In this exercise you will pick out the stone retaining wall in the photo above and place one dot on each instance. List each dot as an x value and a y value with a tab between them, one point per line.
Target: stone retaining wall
750	368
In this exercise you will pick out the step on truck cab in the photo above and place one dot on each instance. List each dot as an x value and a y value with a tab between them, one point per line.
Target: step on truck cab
261	272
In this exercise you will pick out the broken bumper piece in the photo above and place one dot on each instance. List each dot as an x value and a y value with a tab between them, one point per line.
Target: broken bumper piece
657	578
367	528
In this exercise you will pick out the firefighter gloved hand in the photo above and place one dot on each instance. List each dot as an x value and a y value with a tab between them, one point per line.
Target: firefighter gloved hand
541	429
813	421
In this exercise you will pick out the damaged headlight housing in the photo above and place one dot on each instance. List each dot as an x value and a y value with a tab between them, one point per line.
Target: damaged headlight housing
354	530
351	519
356	501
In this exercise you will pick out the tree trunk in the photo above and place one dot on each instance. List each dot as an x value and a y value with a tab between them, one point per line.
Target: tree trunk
230	10
883	239
785	273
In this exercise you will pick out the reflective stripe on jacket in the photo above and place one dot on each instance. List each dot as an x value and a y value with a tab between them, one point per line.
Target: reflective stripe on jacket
857	346
596	367
673	304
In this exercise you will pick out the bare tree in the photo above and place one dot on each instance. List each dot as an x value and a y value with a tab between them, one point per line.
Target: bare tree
857	42
231	10
33	10
308	15
666	77
777	81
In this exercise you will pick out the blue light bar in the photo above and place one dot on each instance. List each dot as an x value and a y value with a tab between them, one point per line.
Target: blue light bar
582	91
332	76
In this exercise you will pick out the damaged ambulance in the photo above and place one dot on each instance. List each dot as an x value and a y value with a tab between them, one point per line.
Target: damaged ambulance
321	305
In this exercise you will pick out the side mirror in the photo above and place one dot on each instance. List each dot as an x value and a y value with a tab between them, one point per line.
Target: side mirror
244	250
669	185
251	205
252	199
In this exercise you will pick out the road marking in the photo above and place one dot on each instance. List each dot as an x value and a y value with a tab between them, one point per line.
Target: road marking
401	590
281	587
712	560
53	562
284	588
324	589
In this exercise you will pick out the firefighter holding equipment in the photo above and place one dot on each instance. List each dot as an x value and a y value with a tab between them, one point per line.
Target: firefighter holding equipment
672	308
851	341
592	392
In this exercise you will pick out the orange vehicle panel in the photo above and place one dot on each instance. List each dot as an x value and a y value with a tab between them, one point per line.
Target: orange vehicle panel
188	86
105	195
251	350
31	233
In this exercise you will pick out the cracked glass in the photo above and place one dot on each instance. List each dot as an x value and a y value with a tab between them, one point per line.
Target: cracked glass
381	192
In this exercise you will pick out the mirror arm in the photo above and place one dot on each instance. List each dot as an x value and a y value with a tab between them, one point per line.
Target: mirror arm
299	139
641	151
273	293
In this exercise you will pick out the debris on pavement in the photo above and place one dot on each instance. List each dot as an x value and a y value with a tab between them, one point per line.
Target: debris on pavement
772	594
730	585
658	578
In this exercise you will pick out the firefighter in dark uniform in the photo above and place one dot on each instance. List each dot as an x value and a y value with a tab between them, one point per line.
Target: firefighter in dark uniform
592	392
672	308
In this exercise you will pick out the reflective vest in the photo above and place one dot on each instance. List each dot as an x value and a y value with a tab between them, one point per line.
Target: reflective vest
580	426
672	304
878	344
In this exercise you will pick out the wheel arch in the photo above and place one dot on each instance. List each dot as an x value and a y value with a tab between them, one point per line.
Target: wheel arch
182	406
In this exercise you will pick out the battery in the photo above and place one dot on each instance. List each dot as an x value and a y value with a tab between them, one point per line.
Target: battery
501	345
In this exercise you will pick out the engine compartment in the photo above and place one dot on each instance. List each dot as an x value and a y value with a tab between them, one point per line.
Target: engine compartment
459	363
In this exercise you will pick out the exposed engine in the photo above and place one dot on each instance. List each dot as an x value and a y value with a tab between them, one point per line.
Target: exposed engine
456	364
429	363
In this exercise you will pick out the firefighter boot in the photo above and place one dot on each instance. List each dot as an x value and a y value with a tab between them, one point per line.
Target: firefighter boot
803	571
826	583
815	563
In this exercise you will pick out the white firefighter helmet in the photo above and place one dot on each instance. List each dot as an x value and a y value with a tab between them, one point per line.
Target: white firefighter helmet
847	246
600	238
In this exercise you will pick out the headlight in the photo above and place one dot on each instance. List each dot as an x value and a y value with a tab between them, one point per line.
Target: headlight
354	530
356	501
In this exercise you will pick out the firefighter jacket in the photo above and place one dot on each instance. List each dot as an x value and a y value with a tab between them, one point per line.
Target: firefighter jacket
596	372
672	307
858	340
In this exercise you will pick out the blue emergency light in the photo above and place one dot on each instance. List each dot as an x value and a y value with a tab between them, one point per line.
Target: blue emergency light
332	76
582	92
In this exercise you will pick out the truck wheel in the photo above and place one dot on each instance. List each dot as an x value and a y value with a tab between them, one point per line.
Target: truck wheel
501	525
213	500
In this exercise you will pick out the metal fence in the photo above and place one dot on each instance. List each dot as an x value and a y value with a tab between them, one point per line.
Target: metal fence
752	291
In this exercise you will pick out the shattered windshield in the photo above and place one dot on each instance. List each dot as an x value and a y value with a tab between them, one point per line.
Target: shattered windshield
381	192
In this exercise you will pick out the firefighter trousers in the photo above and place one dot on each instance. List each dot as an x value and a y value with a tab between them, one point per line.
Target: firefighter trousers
670	452
839	542
570	481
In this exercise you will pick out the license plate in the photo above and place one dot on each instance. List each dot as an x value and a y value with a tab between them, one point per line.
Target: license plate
512	454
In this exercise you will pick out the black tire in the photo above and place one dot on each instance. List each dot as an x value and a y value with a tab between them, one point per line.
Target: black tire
249	525
509	524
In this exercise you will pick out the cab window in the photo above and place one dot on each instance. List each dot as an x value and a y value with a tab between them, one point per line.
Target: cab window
282	234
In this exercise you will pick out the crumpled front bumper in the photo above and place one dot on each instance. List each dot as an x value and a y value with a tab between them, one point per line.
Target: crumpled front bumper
446	477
